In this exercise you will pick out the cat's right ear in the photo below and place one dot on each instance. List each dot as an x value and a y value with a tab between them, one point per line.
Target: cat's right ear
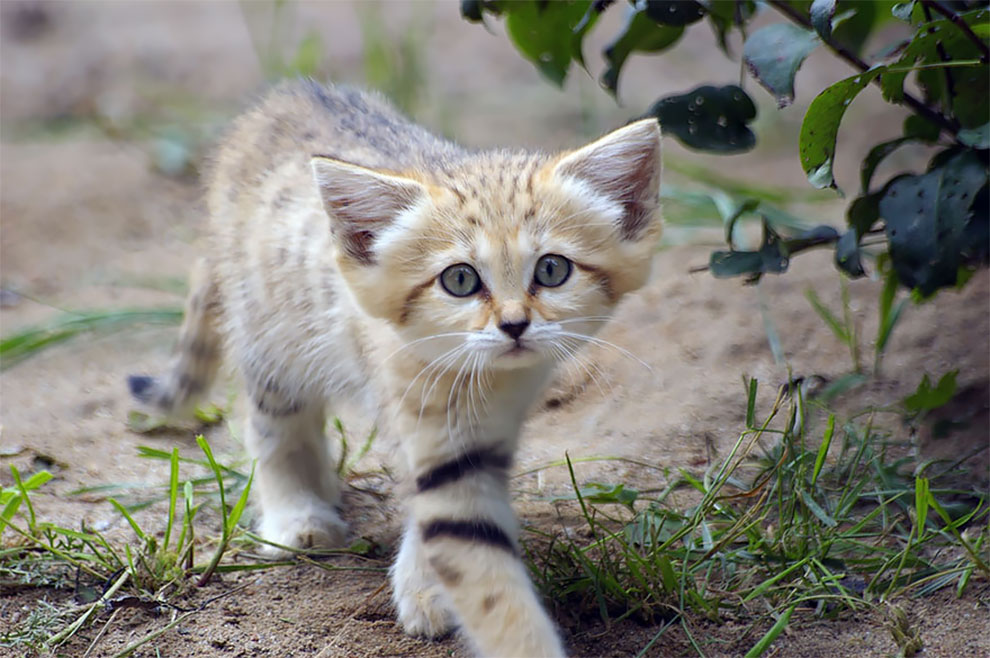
361	203
624	167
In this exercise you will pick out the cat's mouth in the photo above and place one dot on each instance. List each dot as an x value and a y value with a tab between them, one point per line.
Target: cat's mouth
517	350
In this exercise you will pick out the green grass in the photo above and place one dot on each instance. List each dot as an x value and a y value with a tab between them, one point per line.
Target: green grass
826	524
157	568
28	342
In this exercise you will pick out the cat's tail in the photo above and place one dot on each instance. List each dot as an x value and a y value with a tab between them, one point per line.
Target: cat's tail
197	354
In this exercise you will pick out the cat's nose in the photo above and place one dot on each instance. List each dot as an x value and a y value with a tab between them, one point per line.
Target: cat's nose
514	329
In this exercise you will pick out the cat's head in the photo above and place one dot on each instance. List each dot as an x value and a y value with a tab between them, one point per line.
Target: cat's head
501	259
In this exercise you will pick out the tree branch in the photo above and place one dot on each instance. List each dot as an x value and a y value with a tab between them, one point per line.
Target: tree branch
917	106
962	25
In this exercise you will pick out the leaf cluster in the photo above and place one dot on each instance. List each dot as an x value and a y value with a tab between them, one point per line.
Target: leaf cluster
933	225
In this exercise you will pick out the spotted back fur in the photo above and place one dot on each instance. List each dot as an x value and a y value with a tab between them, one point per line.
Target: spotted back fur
352	253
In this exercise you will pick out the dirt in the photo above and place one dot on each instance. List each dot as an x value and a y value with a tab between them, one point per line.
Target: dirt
88	221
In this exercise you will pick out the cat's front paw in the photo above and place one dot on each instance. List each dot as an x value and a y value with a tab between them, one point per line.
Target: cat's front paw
424	612
307	527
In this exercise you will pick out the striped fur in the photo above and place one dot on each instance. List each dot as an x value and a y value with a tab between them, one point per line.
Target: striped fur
332	218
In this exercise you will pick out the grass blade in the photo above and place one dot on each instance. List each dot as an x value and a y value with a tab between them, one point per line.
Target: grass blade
823	449
760	647
134	524
921	503
828	317
31	341
32	521
173	493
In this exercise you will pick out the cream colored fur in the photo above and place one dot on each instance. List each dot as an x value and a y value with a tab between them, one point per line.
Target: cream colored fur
322	274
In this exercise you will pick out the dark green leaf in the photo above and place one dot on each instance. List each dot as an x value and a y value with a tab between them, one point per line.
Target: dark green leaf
978	138
772	257
747	206
875	157
821	126
926	398
639	34
774	53
863	212
938	221
709	118
921	128
543	33
471	10
724	14
970	84
971	88
813	237
821	14
847	256
675	13
857	21
581	29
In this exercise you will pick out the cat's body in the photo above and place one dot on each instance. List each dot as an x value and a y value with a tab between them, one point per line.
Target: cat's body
436	284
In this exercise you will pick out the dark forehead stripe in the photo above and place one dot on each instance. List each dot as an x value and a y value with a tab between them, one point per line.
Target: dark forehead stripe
410	301
482	459
603	280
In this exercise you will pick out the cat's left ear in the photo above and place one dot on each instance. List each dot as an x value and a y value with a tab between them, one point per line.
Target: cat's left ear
623	166
361	203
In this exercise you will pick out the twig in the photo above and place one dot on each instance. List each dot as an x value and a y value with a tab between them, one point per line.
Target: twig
950	86
71	629
962	25
99	636
916	105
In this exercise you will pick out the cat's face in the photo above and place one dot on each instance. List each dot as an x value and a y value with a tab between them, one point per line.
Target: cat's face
507	260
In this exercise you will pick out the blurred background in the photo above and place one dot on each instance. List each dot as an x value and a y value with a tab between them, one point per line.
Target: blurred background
107	110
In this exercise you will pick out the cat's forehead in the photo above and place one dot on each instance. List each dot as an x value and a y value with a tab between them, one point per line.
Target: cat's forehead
495	190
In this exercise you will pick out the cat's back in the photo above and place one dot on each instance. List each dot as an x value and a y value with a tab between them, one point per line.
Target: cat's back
268	241
270	145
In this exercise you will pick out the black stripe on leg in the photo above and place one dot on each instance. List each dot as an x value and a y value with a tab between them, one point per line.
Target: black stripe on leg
476	530
455	469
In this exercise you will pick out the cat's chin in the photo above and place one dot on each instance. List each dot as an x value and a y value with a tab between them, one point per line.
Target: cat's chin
518	358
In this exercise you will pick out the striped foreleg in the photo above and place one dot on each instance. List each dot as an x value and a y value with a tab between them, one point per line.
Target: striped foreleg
460	557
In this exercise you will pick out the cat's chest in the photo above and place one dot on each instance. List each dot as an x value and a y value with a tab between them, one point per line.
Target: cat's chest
469	403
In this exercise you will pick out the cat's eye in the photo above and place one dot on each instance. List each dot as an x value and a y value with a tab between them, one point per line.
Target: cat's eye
460	280
552	270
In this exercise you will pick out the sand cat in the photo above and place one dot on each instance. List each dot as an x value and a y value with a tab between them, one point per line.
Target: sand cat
353	253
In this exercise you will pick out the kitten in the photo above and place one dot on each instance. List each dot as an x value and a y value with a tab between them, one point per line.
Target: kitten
352	253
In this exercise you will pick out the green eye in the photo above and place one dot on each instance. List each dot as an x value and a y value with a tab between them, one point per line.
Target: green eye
460	280
552	270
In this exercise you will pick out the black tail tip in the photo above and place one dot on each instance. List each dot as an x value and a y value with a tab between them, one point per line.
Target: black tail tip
140	386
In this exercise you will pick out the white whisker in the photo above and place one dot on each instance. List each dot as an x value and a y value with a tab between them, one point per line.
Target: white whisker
604	343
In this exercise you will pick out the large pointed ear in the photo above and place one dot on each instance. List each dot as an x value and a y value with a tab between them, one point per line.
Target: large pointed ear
361	203
623	166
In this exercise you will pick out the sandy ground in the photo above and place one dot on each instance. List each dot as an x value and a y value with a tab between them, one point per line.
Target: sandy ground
87	220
